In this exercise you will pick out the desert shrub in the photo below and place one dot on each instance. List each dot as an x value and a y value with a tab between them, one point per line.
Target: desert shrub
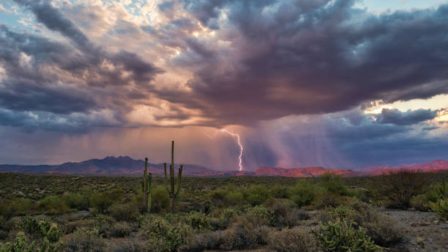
434	193
103	224
20	244
280	191
227	196
256	194
291	240
120	229
342	235
399	188
76	201
240	235
232	198
38	235
41	229
441	208
258	215
101	201
380	228
160	199
125	245
333	184
124	211
163	235
84	240
303	193
15	207
222	217
283	213
53	205
198	221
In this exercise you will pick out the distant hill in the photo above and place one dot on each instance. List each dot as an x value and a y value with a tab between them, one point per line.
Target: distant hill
108	166
126	166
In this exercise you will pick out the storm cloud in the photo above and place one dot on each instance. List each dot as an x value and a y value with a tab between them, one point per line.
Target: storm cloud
308	57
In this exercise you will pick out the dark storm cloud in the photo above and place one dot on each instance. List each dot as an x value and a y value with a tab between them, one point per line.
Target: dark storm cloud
371	141
394	116
54	20
307	57
49	76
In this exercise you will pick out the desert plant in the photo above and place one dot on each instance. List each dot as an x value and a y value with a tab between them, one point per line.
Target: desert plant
84	240
120	229
291	240
124	211
400	187
380	228
163	235
342	235
441	208
172	186
160	199
303	193
102	201
53	205
76	201
147	181
256	194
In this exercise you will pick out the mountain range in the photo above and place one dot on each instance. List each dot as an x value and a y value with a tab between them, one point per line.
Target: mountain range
126	166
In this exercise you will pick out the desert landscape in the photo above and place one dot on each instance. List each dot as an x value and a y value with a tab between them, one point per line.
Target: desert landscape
223	125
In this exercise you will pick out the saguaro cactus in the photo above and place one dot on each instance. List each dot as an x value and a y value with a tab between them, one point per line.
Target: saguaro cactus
147	180
171	185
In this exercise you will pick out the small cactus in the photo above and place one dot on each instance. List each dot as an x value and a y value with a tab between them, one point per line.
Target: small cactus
147	180
172	187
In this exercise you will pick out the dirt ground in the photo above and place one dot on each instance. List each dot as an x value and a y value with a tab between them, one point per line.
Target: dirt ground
423	231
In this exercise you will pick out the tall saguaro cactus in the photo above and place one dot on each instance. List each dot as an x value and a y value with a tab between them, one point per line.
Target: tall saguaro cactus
147	180
172	186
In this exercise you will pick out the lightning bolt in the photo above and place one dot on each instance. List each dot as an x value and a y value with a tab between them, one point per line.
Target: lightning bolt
238	141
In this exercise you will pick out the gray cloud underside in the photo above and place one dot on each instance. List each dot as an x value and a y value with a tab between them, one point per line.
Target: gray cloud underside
307	57
56	79
282	58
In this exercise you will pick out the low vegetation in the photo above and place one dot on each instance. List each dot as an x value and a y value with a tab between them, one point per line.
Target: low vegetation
329	213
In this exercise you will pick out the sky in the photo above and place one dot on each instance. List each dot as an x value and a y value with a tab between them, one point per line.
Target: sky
340	83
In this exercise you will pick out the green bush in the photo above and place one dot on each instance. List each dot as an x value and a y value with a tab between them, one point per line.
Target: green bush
83	240
242	235
20	244
333	184
441	208
342	235
120	229
292	240
399	188
53	205
76	201
102	201
124	212
160	199
258	215
15	207
163	235
435	193
256	194
303	193
380	228
197	221
282	213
